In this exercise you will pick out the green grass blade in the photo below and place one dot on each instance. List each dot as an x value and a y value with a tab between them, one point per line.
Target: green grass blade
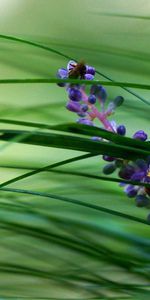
74	143
77	202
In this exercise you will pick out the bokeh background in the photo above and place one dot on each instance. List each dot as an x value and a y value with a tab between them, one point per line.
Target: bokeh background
52	249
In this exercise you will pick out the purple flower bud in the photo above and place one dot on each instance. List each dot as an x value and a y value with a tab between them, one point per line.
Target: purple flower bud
62	74
126	172
90	70
131	191
85	122
92	99
73	106
121	130
141	201
84	107
140	135
108	158
109	169
88	77
74	94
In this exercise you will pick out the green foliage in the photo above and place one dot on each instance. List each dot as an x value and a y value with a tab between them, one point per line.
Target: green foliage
67	231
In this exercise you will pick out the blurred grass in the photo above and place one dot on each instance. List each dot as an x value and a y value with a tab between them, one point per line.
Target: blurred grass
51	249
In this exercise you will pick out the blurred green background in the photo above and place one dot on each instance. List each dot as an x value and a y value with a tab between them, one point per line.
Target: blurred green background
112	36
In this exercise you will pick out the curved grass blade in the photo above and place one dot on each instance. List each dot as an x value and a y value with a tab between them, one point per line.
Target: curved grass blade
76	202
31	43
82	174
100	132
46	168
75	143
104	178
85	130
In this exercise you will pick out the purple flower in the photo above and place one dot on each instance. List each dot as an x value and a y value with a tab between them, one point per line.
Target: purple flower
90	70
74	94
73	106
92	99
131	190
62	74
121	130
88	77
140	135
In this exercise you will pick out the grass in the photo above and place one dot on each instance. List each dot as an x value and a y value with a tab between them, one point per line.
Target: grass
67	231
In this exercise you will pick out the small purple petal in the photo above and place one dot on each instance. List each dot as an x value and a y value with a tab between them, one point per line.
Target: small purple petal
90	70
138	176
131	191
62	73
140	135
88	77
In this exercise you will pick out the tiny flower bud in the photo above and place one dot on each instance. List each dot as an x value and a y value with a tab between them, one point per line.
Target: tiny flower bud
92	99
88	77
140	135
109	169
131	191
73	106
84	107
90	70
121	130
62	74
74	94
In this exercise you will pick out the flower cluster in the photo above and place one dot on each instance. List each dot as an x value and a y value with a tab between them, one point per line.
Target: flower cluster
83	105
